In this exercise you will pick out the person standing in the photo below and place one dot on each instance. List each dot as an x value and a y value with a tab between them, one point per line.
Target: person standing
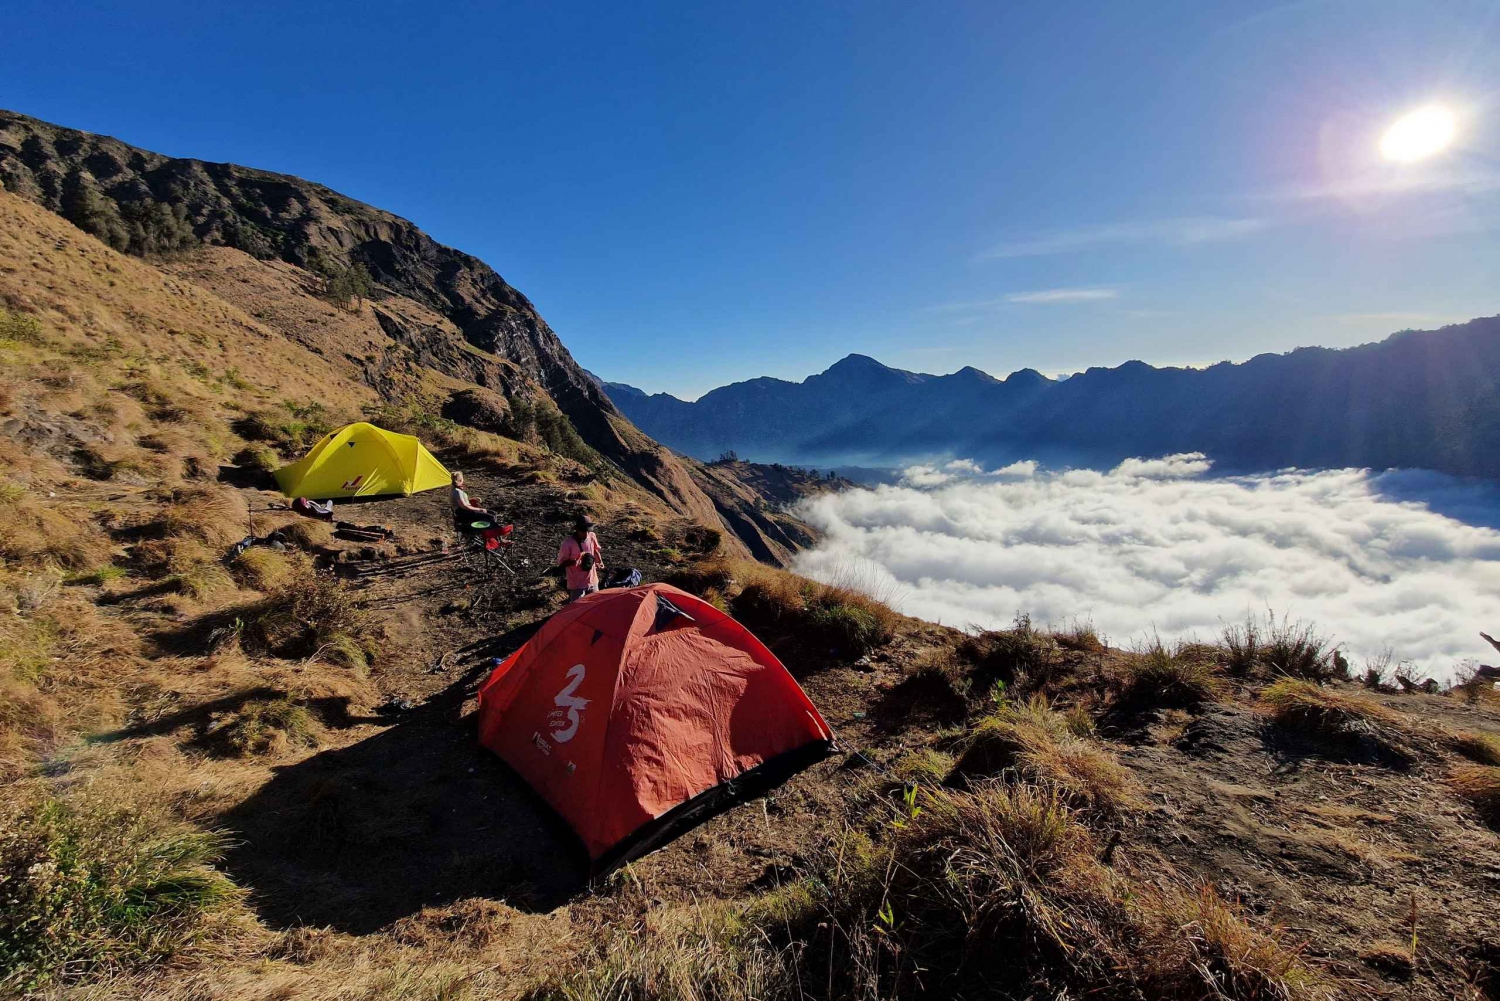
582	558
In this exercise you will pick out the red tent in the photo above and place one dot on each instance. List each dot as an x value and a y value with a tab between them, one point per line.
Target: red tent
638	713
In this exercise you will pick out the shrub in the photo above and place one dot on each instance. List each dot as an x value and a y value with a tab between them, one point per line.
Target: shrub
1351	722
86	886
261	727
1169	678
1052	748
1480	785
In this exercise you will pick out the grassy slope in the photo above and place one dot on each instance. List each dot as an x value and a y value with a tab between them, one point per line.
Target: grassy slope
1116	824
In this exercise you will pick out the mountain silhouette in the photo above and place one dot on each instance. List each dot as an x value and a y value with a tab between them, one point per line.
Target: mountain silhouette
1418	399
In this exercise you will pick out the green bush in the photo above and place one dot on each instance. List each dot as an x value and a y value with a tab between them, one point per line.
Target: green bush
86	886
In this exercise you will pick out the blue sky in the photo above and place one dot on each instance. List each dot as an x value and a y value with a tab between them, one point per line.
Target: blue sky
694	194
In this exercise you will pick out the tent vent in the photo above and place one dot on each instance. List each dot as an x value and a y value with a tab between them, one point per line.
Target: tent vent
668	613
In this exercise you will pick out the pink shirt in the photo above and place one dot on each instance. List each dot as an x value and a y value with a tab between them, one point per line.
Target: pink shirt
571	551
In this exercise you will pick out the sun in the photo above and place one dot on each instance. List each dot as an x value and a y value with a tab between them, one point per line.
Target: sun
1419	134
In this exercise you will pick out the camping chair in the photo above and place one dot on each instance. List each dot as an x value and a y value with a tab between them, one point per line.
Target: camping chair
486	546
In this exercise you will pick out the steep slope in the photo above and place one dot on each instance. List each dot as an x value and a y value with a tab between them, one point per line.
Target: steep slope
1426	399
450	312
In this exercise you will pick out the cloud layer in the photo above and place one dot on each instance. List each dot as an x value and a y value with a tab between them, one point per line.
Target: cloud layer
1156	544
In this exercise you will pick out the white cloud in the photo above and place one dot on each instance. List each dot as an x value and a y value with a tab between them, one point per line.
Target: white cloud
1179	232
1063	295
1154	545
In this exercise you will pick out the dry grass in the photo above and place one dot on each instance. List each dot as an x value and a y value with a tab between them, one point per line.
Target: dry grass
1052	748
1170	677
1480	785
264	570
707	952
1207	949
308	614
308	534
1003	891
1347	722
33	531
1282	647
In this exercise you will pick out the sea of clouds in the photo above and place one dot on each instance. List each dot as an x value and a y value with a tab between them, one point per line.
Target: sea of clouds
1404	561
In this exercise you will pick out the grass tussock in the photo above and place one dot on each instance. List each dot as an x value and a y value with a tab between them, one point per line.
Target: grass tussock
34	532
1480	785
1022	652
1343	721
1483	748
308	614
263	570
262	727
1281	647
91	887
800	619
1052	748
304	533
1208	950
1170	677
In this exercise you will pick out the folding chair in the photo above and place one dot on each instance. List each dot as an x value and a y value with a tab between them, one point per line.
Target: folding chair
487	546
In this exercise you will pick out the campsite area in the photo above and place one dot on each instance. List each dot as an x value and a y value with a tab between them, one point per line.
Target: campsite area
257	776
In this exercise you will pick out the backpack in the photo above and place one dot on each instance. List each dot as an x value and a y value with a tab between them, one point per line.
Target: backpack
624	577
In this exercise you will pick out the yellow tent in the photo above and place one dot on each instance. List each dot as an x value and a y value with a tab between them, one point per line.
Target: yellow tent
362	460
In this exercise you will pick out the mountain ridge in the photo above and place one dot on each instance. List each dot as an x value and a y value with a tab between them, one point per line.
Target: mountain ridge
1424	399
439	308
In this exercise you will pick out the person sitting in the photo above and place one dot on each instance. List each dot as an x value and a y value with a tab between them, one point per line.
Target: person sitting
581	556
465	508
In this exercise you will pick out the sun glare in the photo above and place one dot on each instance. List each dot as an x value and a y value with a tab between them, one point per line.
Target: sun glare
1419	134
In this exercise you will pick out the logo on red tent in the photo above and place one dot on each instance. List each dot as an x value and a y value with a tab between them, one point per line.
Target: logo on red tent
565	718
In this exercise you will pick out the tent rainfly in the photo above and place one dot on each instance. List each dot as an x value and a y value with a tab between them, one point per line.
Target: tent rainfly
362	460
638	713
